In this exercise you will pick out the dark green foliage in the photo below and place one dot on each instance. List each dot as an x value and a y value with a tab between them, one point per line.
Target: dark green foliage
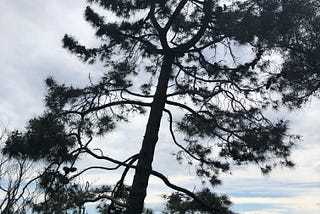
106	207
62	196
247	139
59	95
293	27
182	204
122	8
45	138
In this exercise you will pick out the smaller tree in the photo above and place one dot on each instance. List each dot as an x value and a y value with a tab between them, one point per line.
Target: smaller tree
181	203
15	179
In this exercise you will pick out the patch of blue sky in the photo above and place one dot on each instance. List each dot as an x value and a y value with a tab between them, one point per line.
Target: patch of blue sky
256	207
261	194
269	189
304	184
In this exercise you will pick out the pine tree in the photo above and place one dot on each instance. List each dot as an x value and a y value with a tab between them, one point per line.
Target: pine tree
180	203
210	60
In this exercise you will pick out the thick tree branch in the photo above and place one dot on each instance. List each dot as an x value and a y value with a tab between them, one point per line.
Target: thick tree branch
147	43
207	8
153	19
108	105
162	32
120	184
175	14
187	192
121	163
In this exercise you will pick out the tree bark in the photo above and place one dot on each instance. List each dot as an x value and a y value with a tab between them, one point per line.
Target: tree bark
144	165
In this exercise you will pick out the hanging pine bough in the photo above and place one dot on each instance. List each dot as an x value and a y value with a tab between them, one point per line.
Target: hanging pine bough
209	60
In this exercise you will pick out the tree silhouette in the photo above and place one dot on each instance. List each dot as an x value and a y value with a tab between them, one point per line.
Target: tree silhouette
16	177
180	203
210	61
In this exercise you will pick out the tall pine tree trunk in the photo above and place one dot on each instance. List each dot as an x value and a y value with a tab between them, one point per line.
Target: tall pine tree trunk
144	165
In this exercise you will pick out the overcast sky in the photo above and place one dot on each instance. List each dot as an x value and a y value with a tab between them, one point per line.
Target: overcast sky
30	41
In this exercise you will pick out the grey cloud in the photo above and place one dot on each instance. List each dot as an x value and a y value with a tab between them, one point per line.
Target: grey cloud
317	167
31	50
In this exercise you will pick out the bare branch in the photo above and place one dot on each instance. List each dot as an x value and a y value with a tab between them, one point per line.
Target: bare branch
121	163
174	138
187	192
105	196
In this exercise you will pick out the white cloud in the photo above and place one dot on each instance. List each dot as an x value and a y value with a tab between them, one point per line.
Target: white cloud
268	211
293	205
31	50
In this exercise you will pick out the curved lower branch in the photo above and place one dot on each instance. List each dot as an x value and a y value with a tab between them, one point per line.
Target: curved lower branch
174	138
207	9
100	197
120	163
119	186
94	167
97	108
187	192
181	106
